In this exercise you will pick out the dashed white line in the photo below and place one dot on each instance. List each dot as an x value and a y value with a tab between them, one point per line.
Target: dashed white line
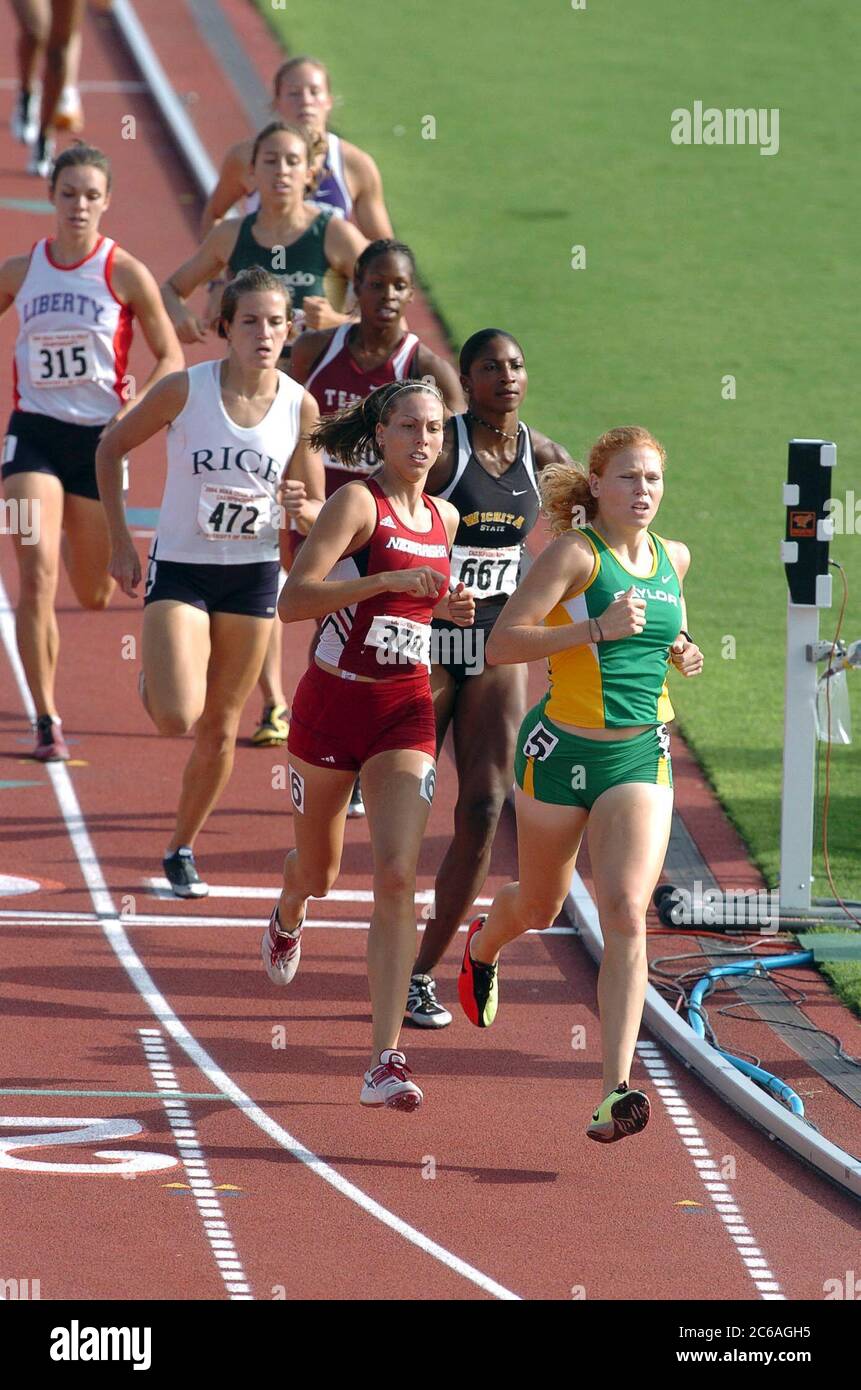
751	1258
184	1133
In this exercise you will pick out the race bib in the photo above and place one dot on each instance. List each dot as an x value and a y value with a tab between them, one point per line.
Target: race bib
232	513
487	571
399	641
63	358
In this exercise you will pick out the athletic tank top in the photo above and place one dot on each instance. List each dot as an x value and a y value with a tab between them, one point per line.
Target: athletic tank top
332	191
610	685
300	266
219	504
496	516
388	635
73	338
337	380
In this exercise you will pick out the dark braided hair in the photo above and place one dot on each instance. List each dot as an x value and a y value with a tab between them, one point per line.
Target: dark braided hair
350	434
382	247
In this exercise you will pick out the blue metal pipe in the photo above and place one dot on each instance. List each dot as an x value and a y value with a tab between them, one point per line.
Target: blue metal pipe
703	987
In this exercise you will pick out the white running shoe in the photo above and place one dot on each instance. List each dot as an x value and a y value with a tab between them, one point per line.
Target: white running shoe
41	160
25	118
281	951
69	114
387	1085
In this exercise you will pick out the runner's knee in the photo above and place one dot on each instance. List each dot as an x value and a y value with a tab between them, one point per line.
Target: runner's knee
37	584
477	816
538	913
97	598
622	913
395	879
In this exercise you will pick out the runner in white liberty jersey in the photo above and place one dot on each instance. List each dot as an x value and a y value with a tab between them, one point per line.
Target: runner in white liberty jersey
238	464
77	295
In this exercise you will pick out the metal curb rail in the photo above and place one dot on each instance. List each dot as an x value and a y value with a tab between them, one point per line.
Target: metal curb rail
169	105
717	1073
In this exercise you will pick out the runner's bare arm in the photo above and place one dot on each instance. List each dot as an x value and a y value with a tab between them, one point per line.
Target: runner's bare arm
345	524
685	655
427	363
159	407
12	275
303	488
136	286
234	181
208	261
305	350
457	605
519	633
369	205
342	243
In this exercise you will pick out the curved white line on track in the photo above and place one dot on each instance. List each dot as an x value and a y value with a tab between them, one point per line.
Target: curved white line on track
143	982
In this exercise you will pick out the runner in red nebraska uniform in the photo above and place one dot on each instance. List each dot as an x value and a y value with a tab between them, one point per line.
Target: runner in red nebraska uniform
375	565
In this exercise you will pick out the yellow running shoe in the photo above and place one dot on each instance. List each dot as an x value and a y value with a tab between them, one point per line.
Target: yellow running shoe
624	1112
273	728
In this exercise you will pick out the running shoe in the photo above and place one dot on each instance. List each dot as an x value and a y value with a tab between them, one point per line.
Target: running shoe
70	111
182	875
387	1085
281	951
41	157
25	118
423	1008
273	728
51	747
624	1112
477	984
357	805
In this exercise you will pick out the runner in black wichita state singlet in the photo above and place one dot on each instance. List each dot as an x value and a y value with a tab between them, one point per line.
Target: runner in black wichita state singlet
488	469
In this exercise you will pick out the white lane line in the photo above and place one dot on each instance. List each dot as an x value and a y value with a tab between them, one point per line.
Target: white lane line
156	919
145	985
162	889
707	1170
199	1180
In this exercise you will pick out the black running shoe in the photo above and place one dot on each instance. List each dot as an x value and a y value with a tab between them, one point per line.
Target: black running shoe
423	1008
357	805
182	874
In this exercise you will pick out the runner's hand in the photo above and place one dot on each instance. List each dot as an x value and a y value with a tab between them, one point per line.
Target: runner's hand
461	606
125	567
686	657
292	496
624	617
421	582
319	312
189	328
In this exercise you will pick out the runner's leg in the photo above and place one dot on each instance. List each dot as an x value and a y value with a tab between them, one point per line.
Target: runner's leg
397	815
86	550
66	18
487	716
38	569
548	841
34	22
320	796
629	830
175	655
238	643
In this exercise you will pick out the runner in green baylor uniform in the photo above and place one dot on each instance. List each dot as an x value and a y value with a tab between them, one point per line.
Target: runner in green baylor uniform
603	605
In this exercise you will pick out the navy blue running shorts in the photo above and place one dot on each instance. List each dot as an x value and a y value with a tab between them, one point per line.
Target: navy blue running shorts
250	590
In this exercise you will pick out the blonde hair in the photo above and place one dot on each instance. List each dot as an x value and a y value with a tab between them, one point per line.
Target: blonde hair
564	487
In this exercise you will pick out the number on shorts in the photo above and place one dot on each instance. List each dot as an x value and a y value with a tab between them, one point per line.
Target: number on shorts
539	743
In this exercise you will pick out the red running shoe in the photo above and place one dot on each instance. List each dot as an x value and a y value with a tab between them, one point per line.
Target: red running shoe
51	747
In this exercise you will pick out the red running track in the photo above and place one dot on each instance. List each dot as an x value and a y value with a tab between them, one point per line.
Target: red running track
273	1182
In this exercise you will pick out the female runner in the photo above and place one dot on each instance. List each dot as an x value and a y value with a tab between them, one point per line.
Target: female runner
487	468
77	295
603	604
349	182
296	240
365	701
236	429
342	365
